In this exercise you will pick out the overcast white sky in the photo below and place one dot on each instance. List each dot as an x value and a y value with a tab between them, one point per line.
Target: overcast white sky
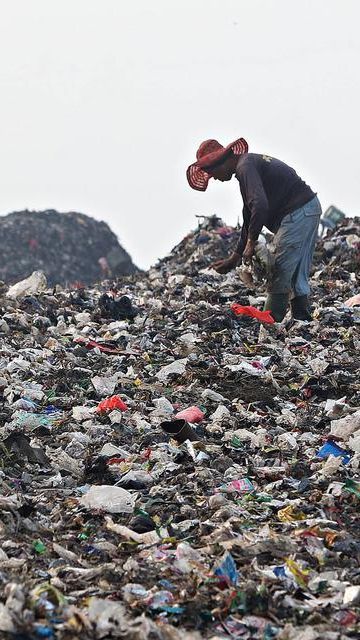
103	104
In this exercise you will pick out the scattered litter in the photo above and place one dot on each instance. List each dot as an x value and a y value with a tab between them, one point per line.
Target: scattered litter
164	472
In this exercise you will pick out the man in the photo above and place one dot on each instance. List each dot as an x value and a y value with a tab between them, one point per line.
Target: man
275	197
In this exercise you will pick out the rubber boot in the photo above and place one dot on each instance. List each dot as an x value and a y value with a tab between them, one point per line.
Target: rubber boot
277	303
300	308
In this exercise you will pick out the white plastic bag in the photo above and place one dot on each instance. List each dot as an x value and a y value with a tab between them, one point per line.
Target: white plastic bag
108	498
33	284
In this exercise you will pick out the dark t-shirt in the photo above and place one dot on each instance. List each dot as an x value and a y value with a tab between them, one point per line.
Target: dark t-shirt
270	190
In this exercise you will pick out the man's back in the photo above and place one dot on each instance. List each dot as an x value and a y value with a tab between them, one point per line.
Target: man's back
273	185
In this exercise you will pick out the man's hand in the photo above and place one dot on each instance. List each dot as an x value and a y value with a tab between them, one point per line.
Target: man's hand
249	251
224	266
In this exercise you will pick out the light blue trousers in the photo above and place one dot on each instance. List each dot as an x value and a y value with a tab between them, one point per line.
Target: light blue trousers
292	251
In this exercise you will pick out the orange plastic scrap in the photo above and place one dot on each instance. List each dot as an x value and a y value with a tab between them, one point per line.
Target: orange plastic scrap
252	312
326	534
330	537
110	404
289	514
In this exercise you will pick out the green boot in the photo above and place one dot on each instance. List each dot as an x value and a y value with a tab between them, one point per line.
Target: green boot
300	308
277	303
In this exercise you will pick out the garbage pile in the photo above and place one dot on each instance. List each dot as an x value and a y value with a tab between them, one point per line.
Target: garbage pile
172	470
68	247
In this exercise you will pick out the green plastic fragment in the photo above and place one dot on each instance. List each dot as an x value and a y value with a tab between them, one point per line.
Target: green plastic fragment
352	487
83	536
39	547
236	442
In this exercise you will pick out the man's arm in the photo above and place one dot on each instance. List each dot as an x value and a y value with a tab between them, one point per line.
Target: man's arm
254	215
255	200
239	249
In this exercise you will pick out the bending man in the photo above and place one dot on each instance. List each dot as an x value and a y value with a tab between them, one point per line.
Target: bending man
274	196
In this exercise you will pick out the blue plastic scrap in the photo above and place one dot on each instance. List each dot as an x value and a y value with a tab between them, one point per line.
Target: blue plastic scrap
331	448
227	569
44	632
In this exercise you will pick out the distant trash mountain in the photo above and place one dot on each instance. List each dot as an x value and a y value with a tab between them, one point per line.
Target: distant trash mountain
70	248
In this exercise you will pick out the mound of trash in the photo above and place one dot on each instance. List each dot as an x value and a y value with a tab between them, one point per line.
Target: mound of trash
176	467
67	247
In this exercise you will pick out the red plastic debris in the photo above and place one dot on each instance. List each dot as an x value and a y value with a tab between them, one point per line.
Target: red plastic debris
103	347
115	461
262	316
257	364
346	618
110	404
191	414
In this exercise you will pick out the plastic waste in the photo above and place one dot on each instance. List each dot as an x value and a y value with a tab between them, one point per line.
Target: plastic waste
331	448
177	368
106	615
241	485
7	624
353	301
110	404
108	498
331	465
345	427
191	414
163	407
252	312
102	347
351	596
32	285
221	414
187	558
352	487
105	386
39	547
214	396
226	570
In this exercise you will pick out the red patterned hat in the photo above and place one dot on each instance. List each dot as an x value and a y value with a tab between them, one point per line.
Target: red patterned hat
209	154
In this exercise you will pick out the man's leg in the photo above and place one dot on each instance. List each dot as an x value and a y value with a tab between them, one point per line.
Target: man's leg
300	303
284	260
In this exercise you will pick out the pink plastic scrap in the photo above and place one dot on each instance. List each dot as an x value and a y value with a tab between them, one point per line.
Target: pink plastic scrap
191	414
353	302
242	485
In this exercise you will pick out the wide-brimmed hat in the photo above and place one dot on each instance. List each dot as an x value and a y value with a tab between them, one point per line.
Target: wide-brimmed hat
209	154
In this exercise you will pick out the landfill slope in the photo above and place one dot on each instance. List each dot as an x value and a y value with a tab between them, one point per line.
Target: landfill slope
110	527
68	247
